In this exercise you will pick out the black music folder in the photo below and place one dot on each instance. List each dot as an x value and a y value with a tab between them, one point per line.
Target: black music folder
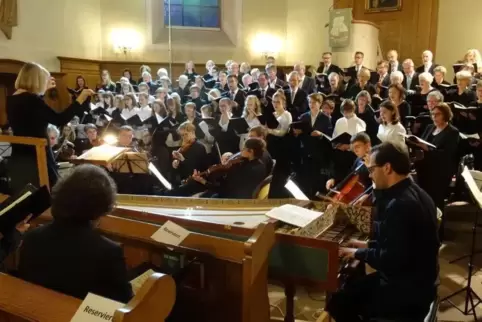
415	139
305	127
134	120
461	108
18	207
343	138
239	125
458	67
211	122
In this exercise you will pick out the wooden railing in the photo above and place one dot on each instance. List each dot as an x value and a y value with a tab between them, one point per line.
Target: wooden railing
40	149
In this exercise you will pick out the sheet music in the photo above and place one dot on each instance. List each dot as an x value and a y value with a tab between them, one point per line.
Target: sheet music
16	202
294	215
408	136
474	190
140	280
159	176
295	190
471	136
477	175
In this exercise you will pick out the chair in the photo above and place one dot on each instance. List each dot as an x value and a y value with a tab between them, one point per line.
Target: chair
262	190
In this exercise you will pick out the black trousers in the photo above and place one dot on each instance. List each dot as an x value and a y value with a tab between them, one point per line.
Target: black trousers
369	297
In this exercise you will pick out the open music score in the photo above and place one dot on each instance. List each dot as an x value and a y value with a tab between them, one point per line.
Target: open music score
294	215
100	155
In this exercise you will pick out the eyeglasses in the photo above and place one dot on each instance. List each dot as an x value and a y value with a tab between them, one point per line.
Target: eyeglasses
435	113
371	169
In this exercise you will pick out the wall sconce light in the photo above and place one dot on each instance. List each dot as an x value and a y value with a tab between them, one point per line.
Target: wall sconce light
267	45
124	40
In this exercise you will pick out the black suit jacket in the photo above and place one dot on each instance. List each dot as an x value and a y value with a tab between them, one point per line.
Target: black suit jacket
242	180
421	69
299	104
279	83
413	85
74	259
399	67
239	98
317	147
308	85
331	69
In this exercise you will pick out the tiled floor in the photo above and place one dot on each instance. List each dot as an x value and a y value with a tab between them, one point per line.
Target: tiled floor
453	277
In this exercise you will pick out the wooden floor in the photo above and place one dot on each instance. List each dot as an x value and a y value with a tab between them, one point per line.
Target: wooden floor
453	277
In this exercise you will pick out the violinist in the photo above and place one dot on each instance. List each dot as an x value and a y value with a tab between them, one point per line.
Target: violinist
237	179
63	147
192	153
92	139
361	146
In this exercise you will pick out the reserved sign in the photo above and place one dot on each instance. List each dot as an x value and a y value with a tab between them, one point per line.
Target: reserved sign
95	308
170	234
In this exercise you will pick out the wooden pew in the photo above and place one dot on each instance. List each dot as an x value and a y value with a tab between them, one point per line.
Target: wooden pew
21	301
228	280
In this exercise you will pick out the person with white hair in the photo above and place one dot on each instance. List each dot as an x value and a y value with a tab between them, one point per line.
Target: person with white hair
248	81
183	89
211	77
162	72
410	81
245	68
463	93
428	64
255	74
396	78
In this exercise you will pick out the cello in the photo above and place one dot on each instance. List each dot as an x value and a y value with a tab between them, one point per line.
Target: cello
349	190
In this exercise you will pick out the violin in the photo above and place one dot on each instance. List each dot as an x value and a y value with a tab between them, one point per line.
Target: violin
185	146
219	168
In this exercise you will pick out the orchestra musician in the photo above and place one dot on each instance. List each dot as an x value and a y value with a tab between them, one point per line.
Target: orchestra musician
125	138
79	200
435	170
28	115
360	145
191	155
82	145
237	179
405	233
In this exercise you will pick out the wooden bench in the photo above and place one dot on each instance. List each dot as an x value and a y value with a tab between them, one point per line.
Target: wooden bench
22	301
229	284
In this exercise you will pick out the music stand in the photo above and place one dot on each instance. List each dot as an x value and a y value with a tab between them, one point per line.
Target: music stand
476	196
131	162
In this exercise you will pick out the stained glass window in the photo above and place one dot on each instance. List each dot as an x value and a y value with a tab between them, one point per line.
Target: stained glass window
192	13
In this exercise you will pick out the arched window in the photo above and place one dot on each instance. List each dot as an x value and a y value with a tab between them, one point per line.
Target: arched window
192	13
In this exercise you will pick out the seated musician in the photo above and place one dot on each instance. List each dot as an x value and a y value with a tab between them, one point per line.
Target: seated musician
126	138
63	149
83	145
191	155
435	170
360	145
404	249
237	179
10	239
69	255
258	132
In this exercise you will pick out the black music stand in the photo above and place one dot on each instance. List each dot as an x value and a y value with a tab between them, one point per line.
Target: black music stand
470	295
132	162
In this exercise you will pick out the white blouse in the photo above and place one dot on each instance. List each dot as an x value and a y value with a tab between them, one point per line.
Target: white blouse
145	112
243	137
126	113
208	139
392	133
351	126
284	120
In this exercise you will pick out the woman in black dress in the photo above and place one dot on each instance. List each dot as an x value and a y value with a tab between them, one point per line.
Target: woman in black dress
28	115
435	170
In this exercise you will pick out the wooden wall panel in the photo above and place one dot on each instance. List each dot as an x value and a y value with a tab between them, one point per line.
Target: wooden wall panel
90	69
410	31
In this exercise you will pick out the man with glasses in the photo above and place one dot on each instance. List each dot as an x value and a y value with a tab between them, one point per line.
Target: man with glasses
404	249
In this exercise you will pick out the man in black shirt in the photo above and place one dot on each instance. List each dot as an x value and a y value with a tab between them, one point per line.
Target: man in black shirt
404	249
